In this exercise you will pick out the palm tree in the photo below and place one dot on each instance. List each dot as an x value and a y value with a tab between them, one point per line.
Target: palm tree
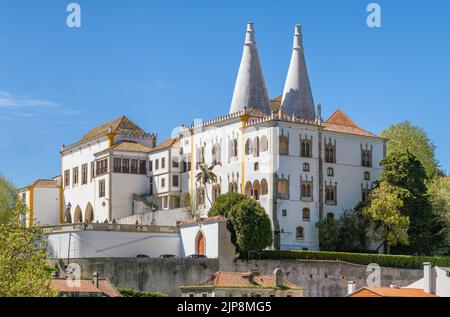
206	176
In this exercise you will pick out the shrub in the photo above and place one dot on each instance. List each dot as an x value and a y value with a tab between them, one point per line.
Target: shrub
129	292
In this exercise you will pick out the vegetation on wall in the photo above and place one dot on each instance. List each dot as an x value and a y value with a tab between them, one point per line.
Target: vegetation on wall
129	292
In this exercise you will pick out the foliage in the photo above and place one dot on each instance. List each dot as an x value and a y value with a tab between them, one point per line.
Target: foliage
407	137
129	292
346	234
404	170
384	260
251	225
206	176
24	270
439	193
384	211
248	222
8	198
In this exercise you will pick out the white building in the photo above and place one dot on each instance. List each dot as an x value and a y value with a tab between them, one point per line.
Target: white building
280	152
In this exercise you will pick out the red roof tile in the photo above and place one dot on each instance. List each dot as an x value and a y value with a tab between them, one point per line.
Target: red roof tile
390	292
85	286
340	122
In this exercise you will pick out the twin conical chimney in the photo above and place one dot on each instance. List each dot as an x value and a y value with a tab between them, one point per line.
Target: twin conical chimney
297	96
250	89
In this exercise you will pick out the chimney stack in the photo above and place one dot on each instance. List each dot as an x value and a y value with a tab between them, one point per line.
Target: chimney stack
351	287
428	277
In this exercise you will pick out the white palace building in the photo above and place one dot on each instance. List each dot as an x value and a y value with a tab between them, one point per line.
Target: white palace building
281	152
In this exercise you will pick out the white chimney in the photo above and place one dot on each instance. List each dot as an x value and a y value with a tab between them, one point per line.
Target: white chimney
351	287
393	285
428	277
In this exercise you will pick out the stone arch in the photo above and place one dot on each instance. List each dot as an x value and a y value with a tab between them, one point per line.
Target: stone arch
300	233
67	216
200	243
78	215
89	213
264	187
256	189
249	189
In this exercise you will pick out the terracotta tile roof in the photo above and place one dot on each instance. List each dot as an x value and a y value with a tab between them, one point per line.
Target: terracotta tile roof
43	183
164	144
243	280
390	292
86	286
447	177
130	146
340	122
119	125
276	102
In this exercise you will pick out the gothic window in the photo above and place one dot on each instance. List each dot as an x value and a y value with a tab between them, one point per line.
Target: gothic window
330	216
330	152
306	190
330	194
283	188
256	147
305	147
249	189
233	148
264	187
256	190
306	214
366	156
366	176
264	144
330	171
75	176
216	155
299	233
233	187
306	167
216	192
284	145
200	157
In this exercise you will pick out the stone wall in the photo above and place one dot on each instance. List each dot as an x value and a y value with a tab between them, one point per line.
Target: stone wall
318	278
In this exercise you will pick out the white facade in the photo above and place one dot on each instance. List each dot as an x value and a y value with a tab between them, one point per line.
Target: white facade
436	280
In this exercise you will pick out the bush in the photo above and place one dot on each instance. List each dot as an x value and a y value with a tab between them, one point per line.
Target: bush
129	292
383	260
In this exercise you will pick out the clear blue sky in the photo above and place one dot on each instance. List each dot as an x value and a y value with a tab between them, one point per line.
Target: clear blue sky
163	63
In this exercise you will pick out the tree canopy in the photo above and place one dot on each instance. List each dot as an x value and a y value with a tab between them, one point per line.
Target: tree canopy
24	270
8	198
405	136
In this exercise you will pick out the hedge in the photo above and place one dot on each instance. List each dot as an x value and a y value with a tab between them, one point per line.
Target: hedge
383	260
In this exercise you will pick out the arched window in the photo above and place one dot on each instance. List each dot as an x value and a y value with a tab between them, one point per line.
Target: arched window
327	155
283	189
78	216
264	144
216	192
256	147
233	187
300	233
200	243
330	195
306	167
306	214
249	189
330	216
256	190
89	213
284	145
248	147
264	187
67	216
216	160
306	190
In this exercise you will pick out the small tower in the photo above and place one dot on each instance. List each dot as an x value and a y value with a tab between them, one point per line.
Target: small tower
250	89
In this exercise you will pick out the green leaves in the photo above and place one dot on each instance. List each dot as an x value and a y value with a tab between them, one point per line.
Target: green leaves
249	224
24	270
8	198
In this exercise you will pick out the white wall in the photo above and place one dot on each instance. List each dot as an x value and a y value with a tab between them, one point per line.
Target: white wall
92	244
188	233
46	206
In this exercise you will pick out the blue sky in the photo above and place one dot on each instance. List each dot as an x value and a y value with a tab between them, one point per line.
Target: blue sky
163	63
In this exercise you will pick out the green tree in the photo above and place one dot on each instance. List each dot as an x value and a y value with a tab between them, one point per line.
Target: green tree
346	234
24	271
129	292
206	176
251	225
248	222
404	170
404	137
439	193
8	198
386	202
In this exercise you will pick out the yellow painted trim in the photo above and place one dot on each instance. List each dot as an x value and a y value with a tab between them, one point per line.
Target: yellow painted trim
61	197
111	139
244	119
192	167
31	206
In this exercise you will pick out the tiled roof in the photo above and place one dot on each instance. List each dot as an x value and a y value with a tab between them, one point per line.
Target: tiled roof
391	292
340	122
447	177
43	183
276	102
85	286
164	144
119	125
243	280
129	146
